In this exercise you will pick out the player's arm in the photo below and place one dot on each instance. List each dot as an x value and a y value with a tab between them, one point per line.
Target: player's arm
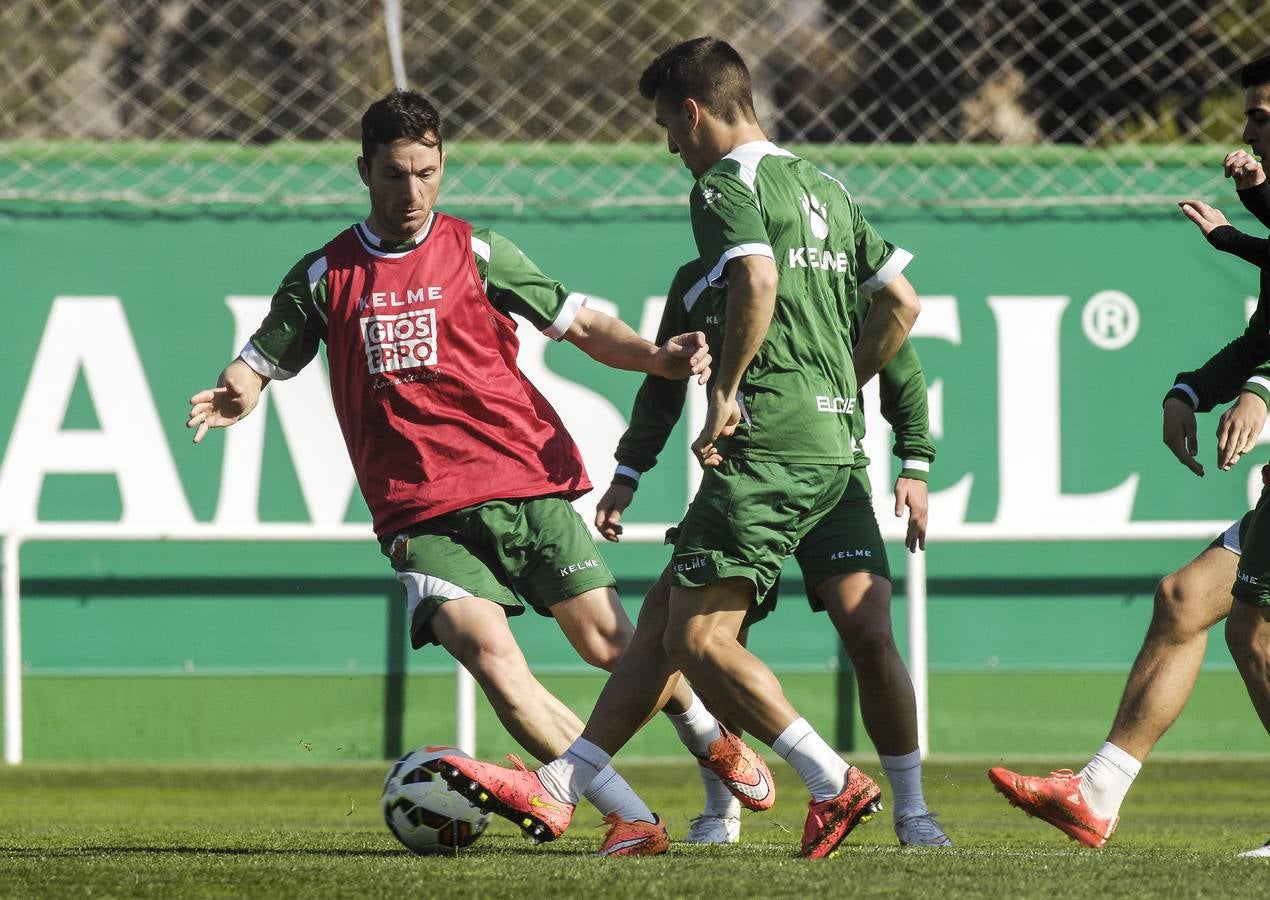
736	252
610	341
751	302
1239	371
658	405
515	285
1250	182
905	406
286	341
893	304
1223	236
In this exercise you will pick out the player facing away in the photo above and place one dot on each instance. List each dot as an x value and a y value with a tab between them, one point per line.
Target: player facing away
843	559
1230	579
467	470
787	241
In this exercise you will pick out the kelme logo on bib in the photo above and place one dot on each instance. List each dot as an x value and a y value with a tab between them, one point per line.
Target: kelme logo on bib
817	215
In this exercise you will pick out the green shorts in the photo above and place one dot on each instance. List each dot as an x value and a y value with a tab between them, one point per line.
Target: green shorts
747	518
536	551
1250	538
846	541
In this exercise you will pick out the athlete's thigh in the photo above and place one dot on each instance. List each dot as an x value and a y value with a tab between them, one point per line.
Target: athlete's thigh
1204	583
593	619
470	626
748	516
843	557
438	562
1252	579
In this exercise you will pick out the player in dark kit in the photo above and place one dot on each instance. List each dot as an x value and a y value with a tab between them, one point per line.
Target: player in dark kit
1230	579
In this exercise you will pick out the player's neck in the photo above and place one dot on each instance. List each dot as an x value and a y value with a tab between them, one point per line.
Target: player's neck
732	136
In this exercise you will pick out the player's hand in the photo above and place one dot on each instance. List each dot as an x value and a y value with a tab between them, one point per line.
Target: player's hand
1244	168
722	416
222	406
1179	434
683	356
1238	429
1205	217
608	512
911	492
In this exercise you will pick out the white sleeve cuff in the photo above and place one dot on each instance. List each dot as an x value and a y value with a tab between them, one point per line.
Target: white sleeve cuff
254	358
1263	383
896	263
628	472
715	278
1190	394
568	313
920	465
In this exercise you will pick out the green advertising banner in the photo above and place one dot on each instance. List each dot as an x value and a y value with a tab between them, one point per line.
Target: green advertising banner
1048	341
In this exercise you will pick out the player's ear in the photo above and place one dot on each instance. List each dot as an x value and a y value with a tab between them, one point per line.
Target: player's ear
363	169
692	112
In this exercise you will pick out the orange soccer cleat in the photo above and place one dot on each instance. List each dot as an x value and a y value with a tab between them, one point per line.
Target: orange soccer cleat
742	771
1055	799
627	838
514	794
830	821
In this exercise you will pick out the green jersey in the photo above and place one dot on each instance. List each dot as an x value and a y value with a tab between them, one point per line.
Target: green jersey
692	305
295	326
797	396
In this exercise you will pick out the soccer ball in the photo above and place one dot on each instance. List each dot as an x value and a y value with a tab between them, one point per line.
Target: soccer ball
423	812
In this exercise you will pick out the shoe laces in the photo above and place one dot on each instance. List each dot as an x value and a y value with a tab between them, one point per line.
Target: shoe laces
1062	773
613	820
517	762
733	754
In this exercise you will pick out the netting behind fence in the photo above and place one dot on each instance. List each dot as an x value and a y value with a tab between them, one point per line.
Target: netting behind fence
147	101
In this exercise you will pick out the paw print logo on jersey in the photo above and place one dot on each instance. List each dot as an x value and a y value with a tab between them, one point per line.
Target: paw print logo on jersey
817	215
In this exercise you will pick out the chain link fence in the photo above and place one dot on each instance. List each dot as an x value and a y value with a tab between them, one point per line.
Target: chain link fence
165	103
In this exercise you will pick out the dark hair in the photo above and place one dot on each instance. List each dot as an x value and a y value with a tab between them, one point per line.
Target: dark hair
707	70
401	114
1255	73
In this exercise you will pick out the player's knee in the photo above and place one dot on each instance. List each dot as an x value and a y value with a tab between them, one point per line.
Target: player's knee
870	645
1172	613
497	665
1248	639
602	649
684	648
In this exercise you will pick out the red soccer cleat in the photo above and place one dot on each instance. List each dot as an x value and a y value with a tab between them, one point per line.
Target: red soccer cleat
742	771
514	794
627	838
1055	799
830	821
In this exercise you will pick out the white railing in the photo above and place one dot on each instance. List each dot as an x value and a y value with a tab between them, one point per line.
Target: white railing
465	694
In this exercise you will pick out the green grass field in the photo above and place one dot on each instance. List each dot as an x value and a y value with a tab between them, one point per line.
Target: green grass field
315	831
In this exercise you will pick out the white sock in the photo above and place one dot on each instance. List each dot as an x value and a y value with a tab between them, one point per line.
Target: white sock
905	775
569	774
817	764
1107	778
611	795
697	728
719	800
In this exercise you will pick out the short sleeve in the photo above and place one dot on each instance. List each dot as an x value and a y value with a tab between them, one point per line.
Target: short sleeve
878	261
515	284
726	223
295	326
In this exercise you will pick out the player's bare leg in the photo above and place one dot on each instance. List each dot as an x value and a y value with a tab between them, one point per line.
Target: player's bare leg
1248	636
1086	804
859	605
597	626
701	638
476	633
1187	604
620	713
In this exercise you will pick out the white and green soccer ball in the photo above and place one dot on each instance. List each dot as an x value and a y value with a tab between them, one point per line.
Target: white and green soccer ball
423	812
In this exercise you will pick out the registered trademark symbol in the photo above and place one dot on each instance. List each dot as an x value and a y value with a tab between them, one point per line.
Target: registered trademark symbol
1110	319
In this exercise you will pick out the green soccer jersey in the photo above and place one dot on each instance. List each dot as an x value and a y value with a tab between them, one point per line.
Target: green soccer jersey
691	305
798	394
295	326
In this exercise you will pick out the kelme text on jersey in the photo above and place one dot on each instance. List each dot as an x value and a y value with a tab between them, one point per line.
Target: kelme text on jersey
843	406
818	258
